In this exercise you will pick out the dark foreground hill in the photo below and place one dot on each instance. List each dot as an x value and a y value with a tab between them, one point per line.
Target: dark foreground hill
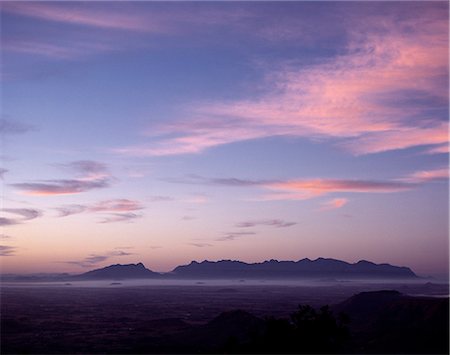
317	269
391	320
382	322
118	322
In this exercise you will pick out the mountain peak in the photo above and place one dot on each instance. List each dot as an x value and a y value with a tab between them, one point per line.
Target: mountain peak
120	271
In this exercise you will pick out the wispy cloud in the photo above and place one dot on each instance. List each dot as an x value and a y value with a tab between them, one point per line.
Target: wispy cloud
94	260
6	250
303	189
424	176
4	221
24	214
86	169
233	236
67	50
117	210
8	127
366	100
96	27
5	236
60	187
90	175
120	253
68	210
200	245
439	149
278	223
333	204
120	217
118	205
229	181
90	261
80	14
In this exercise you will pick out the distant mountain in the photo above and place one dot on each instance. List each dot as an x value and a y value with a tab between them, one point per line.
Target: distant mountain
119	272
319	269
316	269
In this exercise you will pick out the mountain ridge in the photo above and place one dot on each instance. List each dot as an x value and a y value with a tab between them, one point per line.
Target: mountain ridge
320	268
303	268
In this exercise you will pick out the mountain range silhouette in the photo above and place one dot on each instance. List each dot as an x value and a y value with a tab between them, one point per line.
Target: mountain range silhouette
321	268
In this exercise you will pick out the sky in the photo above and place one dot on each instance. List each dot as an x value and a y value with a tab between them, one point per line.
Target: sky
165	132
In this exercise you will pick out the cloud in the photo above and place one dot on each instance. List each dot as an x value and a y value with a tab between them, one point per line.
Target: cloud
82	15
8	127
303	189
86	169
234	182
333	204
60	187
119	210
232	236
25	214
117	205
200	245
91	28
55	50
424	176
439	149
90	261
8	221
278	223
5	236
6	250
120	253
120	217
68	210
94	259
188	218
90	175
200	180
380	93
3	172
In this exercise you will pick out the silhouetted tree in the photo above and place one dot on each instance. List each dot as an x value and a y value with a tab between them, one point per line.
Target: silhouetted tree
307	331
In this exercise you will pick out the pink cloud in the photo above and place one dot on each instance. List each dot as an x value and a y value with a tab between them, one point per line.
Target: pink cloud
333	204
60	187
363	99
89	175
119	205
441	174
120	217
307	189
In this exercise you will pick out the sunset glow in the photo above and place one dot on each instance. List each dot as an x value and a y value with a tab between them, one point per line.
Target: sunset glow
165	132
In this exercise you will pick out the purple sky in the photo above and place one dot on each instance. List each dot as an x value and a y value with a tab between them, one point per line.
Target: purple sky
178	131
